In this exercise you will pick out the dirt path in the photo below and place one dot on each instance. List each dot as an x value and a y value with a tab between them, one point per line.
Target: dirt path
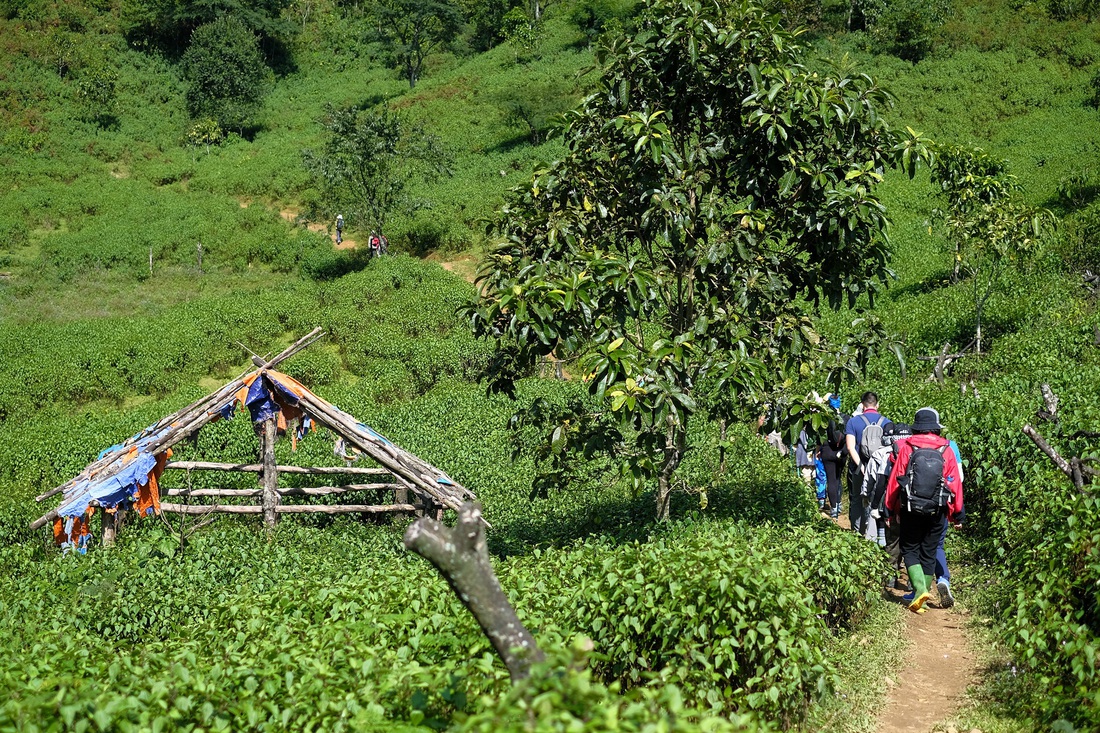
931	680
463	265
938	667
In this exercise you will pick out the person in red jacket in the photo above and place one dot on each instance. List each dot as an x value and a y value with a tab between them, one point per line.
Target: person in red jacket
923	493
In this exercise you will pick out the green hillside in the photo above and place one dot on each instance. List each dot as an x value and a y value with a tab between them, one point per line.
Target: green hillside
746	611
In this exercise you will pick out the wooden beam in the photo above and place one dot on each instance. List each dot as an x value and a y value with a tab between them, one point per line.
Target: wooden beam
312	491
343	508
287	508
258	468
204	508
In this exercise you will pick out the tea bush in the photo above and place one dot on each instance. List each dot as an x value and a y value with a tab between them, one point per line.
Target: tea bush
562	696
724	612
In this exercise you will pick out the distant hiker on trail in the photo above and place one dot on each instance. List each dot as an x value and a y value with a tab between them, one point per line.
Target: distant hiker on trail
924	492
862	436
339	228
378	244
833	455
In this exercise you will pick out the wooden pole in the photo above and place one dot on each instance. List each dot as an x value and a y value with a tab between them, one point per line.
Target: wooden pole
269	478
215	508
310	491
110	527
343	508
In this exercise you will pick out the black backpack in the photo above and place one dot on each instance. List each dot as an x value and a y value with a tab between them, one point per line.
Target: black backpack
837	430
926	491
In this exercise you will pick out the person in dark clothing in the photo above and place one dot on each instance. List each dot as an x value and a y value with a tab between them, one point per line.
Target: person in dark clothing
923	520
833	456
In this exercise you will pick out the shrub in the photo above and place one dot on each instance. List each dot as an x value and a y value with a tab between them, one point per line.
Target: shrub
725	614
561	696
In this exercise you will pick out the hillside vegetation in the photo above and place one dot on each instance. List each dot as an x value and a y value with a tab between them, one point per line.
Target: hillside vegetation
739	613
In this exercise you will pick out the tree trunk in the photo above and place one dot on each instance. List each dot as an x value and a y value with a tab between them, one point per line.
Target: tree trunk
674	453
978	335
112	523
461	555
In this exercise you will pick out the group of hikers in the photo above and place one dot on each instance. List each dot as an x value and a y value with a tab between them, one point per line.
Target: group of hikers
378	243
904	489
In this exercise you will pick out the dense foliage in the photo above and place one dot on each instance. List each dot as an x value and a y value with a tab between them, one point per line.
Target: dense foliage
225	73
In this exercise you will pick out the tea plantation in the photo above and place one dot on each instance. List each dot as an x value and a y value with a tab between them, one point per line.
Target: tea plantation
746	611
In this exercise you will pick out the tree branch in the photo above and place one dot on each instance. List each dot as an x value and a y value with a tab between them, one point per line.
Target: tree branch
1046	447
461	555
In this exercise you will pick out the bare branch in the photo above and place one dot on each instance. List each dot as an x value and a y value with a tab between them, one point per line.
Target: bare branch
461	555
1046	447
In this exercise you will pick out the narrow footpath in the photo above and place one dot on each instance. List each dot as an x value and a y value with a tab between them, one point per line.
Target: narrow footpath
932	678
929	685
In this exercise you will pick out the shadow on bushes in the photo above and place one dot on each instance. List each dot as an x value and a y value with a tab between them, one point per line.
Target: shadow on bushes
327	264
762	501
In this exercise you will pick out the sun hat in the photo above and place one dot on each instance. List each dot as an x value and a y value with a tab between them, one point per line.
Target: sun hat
926	420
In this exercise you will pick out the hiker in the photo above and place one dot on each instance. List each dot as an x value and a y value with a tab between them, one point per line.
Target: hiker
821	481
774	438
376	244
862	436
339	228
923	493
833	455
880	530
943	575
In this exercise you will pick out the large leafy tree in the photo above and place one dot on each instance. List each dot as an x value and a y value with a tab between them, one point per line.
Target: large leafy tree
368	160
170	23
413	29
713	193
225	72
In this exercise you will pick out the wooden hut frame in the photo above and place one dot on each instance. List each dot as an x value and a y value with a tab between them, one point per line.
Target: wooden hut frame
417	485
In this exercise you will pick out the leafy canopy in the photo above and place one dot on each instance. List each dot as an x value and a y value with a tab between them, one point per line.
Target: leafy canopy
368	160
226	75
714	190
413	29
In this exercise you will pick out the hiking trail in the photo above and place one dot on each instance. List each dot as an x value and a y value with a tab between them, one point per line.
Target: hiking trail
929	684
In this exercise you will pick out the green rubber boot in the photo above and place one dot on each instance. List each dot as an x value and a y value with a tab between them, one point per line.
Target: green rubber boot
921	585
918	580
